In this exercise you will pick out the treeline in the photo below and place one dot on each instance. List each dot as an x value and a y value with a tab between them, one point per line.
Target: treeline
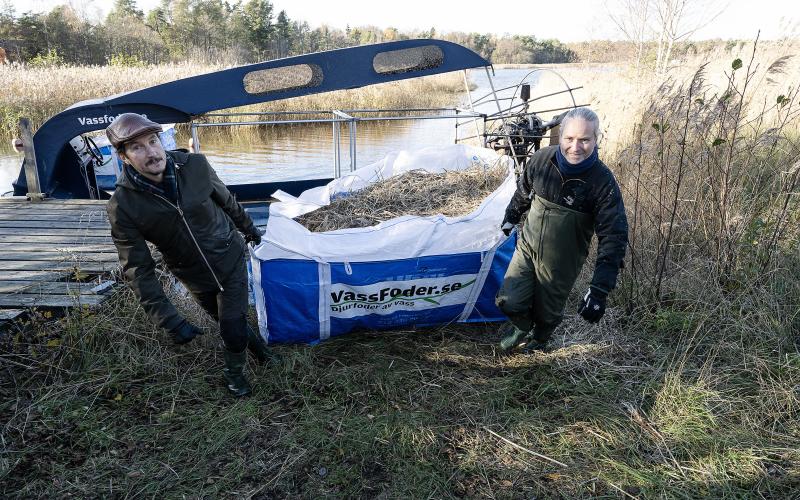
219	31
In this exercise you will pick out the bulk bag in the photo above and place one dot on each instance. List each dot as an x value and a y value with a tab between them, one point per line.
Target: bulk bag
407	271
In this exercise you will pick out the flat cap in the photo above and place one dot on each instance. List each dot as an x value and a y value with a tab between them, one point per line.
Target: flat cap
129	126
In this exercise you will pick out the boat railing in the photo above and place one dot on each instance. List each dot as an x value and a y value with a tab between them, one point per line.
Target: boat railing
351	117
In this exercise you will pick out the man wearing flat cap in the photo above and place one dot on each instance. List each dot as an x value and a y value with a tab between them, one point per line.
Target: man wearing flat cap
175	201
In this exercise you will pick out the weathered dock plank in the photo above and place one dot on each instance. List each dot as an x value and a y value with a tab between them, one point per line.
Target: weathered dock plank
56	239
59	217
23	201
49	265
52	204
54	231
36	275
6	246
54	255
68	223
10	314
47	287
17	300
48	249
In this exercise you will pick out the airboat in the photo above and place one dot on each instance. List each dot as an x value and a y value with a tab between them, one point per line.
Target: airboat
66	162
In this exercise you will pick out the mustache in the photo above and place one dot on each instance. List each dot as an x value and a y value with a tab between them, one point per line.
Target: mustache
154	160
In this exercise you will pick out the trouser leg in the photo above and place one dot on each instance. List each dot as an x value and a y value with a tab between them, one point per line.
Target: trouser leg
232	308
515	297
208	301
229	308
553	287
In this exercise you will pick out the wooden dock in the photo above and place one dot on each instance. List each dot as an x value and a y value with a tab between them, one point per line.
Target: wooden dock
54	254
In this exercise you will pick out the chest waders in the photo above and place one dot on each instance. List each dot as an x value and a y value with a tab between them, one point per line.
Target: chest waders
549	256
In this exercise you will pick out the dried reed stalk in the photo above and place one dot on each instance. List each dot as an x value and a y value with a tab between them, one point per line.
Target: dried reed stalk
416	192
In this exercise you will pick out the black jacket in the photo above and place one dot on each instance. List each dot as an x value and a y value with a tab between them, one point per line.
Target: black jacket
197	237
594	192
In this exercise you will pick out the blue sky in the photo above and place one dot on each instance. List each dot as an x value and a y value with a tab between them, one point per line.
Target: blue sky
568	21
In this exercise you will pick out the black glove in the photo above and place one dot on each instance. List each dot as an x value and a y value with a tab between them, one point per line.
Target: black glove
507	227
253	236
185	332
593	305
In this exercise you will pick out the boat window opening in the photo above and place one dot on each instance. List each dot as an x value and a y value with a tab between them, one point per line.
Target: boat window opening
297	76
405	60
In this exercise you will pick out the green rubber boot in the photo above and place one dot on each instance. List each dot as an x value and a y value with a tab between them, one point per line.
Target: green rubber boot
511	341
234	373
532	345
258	348
538	339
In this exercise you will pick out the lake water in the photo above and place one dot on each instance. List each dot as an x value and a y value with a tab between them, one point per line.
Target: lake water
286	152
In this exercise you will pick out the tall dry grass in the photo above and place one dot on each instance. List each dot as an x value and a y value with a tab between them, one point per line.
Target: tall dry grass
39	93
621	92
707	157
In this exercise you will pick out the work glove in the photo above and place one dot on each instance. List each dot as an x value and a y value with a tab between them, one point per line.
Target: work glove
253	236
593	305
507	227
184	332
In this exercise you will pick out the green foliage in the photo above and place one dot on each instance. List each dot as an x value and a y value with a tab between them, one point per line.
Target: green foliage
49	59
736	64
126	60
258	19
670	321
221	31
126	8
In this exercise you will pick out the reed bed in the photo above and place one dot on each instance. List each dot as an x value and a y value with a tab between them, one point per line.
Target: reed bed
416	192
620	93
39	93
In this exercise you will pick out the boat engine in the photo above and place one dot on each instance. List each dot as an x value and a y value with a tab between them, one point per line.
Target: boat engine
521	133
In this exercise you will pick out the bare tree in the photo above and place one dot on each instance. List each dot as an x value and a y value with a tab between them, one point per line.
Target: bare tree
632	18
678	20
664	21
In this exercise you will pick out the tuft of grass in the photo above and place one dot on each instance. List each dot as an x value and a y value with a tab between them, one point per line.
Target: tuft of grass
682	413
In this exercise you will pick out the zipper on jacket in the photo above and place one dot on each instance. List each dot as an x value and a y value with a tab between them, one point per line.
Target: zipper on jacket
197	245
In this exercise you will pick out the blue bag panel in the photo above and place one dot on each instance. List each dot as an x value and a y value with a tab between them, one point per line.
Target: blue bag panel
400	319
403	293
403	276
291	299
485	308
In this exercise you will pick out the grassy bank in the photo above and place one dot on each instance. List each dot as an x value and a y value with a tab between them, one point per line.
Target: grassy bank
647	409
39	93
688	388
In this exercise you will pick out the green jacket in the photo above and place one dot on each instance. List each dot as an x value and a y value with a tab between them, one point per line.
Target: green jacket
197	237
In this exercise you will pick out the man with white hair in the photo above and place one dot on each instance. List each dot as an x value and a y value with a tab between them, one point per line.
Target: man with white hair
569	195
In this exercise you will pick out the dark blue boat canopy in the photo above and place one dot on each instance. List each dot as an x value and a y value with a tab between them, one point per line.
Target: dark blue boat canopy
182	100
